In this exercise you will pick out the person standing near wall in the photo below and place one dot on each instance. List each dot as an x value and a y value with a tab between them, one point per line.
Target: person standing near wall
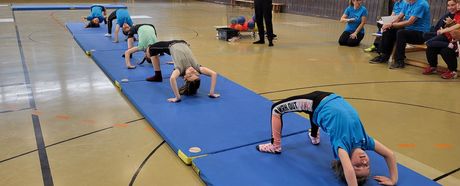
263	11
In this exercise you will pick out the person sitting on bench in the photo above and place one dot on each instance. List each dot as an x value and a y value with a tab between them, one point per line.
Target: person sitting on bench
416	21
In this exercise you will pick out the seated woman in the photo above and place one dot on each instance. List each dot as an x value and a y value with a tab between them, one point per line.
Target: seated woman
398	7
444	45
411	23
123	20
147	36
341	122
355	16
185	65
446	18
96	16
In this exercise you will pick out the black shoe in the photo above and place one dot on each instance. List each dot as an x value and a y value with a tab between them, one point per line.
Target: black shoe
398	64
376	60
274	36
259	42
379	59
270	44
402	64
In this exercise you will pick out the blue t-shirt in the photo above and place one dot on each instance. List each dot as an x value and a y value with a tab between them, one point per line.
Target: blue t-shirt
421	10
351	12
398	7
341	122
96	12
123	17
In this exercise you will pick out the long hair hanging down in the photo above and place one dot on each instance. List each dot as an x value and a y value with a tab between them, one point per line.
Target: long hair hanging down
181	53
190	88
91	24
337	167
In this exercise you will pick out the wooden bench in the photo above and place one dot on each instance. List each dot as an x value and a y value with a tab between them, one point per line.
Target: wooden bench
277	7
415	62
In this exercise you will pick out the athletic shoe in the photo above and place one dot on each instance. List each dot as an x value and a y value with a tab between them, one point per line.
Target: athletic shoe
449	75
259	42
370	49
379	59
108	35
268	148
314	140
429	70
398	64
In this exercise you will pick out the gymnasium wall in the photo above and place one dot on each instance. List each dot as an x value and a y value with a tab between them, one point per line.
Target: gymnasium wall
333	9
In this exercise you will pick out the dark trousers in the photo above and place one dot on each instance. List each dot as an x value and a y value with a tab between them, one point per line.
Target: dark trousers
428	35
345	39
263	10
400	37
112	16
439	41
387	42
448	55
286	105
378	39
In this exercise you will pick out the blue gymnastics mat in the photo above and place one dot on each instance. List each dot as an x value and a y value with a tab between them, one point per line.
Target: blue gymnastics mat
300	163
87	37
79	28
225	129
238	118
62	7
111	62
102	44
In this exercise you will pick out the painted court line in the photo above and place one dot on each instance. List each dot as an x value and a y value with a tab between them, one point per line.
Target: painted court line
443	146
120	125
44	164
14	110
422	168
36	112
145	161
7	20
70	139
63	117
447	174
